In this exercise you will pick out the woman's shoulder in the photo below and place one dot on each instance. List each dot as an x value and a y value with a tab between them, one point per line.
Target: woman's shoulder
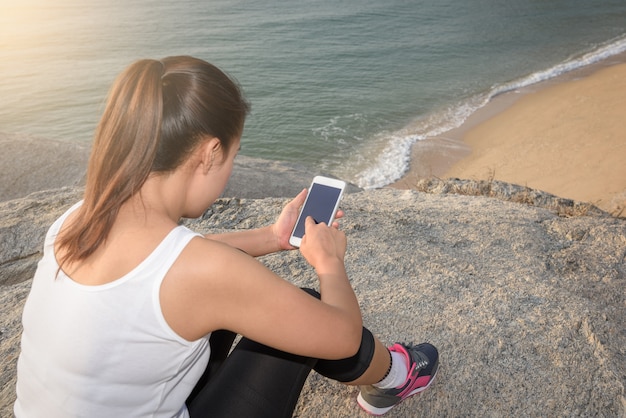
204	250
55	228
205	259
199	282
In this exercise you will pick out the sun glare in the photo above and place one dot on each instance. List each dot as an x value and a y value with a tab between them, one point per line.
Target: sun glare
27	23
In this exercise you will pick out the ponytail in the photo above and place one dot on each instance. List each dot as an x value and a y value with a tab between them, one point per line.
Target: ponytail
156	114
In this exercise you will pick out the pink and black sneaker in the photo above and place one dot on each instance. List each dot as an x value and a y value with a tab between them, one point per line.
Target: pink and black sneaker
423	360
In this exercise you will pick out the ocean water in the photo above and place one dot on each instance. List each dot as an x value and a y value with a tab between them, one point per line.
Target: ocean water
344	87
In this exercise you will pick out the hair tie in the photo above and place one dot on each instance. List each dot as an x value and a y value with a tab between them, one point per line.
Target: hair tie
164	82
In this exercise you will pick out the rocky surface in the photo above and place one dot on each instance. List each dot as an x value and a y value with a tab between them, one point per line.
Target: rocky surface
526	305
30	164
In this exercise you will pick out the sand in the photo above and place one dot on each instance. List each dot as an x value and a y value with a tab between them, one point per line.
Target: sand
566	138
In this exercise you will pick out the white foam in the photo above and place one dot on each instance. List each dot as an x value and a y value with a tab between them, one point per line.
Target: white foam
393	161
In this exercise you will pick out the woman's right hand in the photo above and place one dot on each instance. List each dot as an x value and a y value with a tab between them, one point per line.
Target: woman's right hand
322	246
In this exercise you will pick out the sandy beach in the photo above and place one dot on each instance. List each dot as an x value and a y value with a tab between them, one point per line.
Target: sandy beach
566	137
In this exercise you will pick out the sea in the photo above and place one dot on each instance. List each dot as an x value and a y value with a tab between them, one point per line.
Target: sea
343	87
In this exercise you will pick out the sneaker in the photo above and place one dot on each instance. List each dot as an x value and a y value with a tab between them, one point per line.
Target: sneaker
423	361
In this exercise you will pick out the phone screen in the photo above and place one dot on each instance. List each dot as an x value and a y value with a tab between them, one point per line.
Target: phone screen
320	204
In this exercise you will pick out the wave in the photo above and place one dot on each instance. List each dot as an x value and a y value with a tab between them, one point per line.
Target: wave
394	159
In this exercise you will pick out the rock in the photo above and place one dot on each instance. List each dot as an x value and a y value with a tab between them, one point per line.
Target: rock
29	164
23	223
527	307
506	191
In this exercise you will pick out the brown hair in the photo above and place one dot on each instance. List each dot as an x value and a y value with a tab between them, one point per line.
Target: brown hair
156	114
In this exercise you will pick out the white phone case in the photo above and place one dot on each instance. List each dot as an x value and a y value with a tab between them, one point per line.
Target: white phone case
331	192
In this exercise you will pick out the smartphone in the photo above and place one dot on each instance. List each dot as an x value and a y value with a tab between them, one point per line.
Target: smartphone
322	202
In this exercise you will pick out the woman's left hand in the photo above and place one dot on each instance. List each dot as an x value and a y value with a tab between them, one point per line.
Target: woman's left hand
287	220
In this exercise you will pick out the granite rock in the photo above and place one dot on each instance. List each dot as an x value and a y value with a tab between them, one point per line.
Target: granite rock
526	304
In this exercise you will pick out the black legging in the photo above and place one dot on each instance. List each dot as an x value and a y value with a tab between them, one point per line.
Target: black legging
259	381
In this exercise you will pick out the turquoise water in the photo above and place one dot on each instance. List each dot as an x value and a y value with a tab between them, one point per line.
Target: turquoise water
344	87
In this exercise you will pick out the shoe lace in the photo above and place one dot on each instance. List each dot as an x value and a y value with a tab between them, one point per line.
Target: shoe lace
420	360
421	364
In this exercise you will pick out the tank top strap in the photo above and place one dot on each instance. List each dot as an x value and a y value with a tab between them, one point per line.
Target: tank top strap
173	244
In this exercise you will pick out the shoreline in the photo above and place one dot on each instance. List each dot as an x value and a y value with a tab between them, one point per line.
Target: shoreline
475	150
550	123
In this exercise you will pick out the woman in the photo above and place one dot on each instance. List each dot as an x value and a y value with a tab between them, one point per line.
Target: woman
126	305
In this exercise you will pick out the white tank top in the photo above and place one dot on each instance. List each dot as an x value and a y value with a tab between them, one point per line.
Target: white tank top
105	351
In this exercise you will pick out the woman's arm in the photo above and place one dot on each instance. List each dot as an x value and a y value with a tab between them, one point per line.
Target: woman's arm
213	286
269	239
254	242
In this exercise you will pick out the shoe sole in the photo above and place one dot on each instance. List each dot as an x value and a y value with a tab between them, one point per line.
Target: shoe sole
372	410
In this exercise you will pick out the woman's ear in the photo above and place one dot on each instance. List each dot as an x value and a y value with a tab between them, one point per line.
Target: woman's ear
209	151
